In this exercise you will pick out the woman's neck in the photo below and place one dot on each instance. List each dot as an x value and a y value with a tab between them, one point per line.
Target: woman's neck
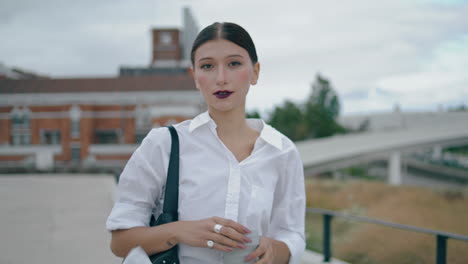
233	131
230	124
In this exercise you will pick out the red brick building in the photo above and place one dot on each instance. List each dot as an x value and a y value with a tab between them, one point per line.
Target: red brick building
96	123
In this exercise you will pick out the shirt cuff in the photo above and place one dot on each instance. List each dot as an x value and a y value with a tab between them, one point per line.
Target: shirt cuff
137	256
125	216
295	244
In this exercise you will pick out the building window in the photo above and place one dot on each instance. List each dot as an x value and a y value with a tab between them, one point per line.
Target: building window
25	121
143	122
26	139
75	128
21	139
20	121
139	136
20	131
50	137
17	122
16	140
106	136
75	116
75	153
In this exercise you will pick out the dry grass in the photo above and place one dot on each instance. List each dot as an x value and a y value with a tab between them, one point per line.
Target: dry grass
368	243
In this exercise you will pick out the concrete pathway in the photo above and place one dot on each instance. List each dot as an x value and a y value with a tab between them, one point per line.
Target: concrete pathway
60	218
55	219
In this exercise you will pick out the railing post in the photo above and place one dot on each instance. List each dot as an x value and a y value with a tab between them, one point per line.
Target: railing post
441	257
327	237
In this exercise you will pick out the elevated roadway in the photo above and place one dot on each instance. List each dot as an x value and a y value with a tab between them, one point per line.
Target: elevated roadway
332	153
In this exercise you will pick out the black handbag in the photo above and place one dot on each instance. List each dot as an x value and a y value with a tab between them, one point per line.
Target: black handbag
171	202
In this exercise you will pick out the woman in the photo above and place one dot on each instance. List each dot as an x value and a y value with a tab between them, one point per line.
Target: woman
237	175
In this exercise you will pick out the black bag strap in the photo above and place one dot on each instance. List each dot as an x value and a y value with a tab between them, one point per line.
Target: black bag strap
171	195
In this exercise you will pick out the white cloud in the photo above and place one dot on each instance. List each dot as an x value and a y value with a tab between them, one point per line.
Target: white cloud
442	78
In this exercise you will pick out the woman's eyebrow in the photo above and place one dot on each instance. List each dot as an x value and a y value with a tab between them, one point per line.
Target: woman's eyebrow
234	55
206	58
229	56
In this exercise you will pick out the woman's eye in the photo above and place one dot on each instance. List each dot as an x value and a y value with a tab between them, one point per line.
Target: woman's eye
206	66
235	64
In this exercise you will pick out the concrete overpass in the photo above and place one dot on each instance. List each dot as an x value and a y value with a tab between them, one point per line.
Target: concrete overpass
329	154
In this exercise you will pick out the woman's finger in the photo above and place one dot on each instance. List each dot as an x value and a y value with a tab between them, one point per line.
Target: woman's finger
221	247
227	241
258	252
234	235
233	224
265	259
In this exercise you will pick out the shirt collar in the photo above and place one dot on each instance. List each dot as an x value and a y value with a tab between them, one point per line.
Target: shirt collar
270	135
200	120
267	133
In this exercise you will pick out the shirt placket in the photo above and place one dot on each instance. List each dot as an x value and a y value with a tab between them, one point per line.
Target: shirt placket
234	181
233	191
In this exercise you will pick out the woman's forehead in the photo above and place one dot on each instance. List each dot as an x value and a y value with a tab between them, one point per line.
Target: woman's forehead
219	48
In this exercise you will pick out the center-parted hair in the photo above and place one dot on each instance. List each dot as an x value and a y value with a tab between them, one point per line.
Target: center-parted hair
228	31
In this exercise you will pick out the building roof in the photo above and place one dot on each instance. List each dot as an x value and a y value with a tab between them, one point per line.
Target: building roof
17	74
166	82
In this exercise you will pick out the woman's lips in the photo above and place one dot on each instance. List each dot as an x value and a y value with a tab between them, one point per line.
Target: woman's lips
223	94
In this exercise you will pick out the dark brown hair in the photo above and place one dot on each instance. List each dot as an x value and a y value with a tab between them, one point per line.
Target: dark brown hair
228	31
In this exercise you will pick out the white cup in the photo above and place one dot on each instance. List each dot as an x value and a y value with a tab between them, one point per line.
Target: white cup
237	255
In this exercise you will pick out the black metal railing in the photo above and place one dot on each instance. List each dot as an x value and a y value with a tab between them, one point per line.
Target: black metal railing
441	237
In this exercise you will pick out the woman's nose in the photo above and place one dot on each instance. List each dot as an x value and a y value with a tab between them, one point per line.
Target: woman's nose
221	76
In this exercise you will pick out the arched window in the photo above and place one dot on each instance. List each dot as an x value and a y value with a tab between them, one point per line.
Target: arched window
17	121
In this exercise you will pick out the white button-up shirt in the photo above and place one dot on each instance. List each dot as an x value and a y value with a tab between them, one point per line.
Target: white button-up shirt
265	192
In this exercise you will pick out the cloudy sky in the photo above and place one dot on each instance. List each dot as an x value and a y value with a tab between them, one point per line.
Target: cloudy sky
377	54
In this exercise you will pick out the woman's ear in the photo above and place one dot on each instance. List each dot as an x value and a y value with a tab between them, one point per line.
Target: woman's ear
192	72
256	73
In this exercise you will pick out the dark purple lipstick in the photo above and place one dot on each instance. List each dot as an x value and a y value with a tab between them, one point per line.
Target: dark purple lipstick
223	94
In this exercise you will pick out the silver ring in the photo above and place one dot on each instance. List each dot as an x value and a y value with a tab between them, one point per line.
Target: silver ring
210	243
217	228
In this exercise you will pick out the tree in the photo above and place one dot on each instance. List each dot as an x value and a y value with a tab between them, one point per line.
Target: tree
253	114
289	120
459	108
322	109
324	96
313	118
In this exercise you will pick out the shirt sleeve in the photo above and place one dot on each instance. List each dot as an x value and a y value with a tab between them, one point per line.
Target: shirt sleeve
288	213
141	182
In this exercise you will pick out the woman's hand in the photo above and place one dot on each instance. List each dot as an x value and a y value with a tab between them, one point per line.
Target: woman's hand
269	251
198	233
264	252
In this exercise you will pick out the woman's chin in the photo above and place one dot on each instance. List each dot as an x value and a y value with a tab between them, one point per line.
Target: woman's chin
222	108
